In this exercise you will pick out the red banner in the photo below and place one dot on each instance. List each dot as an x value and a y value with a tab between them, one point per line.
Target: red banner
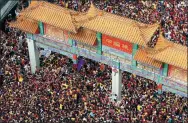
117	44
178	73
55	32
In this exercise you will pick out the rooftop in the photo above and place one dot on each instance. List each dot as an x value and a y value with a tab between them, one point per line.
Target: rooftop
96	20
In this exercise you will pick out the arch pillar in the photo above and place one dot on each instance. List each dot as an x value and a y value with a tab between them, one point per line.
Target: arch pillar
33	55
116	83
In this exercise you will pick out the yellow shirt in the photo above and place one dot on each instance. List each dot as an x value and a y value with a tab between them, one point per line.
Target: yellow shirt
101	84
134	75
139	108
73	119
20	79
6	72
66	86
61	106
66	5
118	110
75	96
51	92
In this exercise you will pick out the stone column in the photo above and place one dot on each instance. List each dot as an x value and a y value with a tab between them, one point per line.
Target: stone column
116	83
33	55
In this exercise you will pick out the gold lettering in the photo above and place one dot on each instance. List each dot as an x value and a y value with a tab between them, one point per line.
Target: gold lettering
109	41
117	44
124	46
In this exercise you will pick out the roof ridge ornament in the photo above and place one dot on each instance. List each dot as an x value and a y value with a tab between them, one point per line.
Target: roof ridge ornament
147	35
135	24
163	40
155	50
92	12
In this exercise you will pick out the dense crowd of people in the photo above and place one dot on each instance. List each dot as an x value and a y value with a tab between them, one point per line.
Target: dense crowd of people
58	93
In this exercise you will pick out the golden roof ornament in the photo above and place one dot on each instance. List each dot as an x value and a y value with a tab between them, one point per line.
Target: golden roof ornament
162	43
92	12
